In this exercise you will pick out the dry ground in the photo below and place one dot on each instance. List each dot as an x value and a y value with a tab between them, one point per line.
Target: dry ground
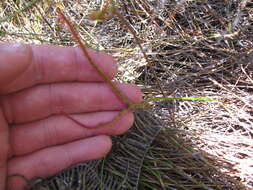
196	48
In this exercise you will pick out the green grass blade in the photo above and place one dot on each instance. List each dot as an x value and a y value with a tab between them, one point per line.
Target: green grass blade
182	98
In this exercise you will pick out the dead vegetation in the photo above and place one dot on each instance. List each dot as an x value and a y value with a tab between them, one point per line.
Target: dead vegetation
197	48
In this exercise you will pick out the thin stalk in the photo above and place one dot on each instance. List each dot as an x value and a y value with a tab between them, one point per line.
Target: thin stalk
116	91
100	125
77	38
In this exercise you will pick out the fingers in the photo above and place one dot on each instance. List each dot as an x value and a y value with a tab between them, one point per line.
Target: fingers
57	130
43	101
4	149
14	60
50	64
50	161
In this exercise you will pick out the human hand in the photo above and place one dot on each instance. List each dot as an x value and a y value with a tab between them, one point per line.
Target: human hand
37	83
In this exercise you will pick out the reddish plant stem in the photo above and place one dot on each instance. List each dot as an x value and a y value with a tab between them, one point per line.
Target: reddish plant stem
116	91
75	35
115	119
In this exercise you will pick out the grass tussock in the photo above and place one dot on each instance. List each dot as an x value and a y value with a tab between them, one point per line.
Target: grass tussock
200	48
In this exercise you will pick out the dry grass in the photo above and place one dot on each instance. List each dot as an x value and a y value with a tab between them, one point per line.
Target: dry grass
198	48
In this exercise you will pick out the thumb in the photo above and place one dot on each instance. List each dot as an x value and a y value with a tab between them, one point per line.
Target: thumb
14	60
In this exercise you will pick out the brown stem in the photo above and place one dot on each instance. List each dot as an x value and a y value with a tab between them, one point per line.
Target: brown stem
75	35
115	119
116	91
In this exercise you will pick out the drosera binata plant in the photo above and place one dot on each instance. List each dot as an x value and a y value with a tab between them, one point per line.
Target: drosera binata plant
114	88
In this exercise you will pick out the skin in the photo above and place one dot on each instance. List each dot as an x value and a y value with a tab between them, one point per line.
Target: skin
37	83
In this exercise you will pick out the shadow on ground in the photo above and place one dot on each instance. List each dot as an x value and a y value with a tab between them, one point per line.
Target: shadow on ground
150	156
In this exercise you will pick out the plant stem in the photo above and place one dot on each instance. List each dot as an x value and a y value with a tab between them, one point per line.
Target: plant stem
75	35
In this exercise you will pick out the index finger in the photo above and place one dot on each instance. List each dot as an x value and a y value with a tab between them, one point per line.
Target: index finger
52	64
